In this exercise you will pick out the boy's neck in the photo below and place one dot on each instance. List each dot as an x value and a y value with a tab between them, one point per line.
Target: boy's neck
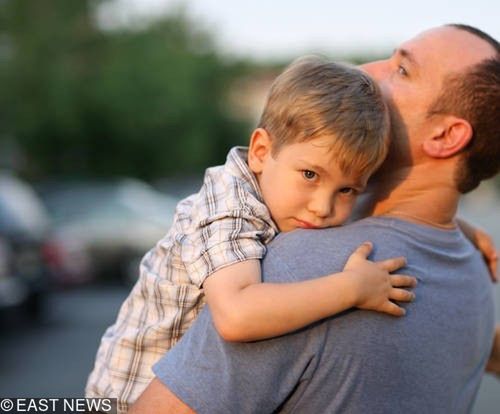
410	194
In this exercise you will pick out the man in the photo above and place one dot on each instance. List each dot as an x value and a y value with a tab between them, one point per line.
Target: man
443	88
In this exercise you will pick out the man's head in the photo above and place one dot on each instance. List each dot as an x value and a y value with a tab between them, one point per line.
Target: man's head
444	91
475	96
323	132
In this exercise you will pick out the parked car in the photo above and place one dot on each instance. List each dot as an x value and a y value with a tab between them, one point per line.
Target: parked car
114	223
68	261
24	224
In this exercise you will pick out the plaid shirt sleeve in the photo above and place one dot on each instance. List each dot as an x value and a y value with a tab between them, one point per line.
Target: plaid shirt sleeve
230	222
229	238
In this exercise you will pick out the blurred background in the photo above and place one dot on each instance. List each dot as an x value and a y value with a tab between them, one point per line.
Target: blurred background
109	113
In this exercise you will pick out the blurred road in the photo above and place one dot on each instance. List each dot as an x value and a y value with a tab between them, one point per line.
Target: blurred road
54	357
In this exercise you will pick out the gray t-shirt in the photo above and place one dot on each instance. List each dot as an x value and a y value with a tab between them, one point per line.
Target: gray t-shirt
430	361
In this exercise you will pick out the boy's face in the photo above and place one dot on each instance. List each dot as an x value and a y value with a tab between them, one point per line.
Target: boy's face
302	185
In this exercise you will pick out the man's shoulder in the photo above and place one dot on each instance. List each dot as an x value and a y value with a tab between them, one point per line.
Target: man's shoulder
304	254
333	236
382	229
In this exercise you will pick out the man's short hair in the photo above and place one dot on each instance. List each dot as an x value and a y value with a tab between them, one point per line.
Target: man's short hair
314	97
474	95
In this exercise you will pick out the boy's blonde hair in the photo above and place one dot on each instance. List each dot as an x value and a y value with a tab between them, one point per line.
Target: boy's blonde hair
314	97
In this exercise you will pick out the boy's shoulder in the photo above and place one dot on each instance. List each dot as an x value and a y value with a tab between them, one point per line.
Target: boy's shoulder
236	169
227	188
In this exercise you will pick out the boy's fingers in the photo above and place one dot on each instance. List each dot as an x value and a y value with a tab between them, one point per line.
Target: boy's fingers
392	264
401	295
393	309
364	249
493	265
403	281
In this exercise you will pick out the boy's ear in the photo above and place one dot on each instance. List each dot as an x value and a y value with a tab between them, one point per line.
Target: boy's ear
259	150
449	138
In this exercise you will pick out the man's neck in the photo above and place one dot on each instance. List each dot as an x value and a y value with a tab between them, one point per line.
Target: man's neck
417	194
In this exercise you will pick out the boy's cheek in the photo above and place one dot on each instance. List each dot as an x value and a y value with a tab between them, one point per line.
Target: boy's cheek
344	213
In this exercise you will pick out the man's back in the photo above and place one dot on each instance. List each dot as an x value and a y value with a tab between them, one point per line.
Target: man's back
429	361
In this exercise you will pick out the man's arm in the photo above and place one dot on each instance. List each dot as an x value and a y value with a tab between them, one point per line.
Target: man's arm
204	373
158	399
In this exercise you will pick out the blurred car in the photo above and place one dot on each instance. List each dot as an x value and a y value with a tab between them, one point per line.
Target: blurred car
24	224
68	261
111	223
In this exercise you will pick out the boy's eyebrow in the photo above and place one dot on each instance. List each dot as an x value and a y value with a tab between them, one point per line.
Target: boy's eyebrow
314	166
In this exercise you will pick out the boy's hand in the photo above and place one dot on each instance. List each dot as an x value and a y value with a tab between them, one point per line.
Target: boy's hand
486	246
375	287
484	242
493	365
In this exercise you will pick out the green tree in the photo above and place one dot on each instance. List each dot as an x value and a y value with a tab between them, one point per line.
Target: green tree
83	101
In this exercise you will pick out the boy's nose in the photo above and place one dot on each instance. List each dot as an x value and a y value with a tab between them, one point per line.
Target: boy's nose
321	207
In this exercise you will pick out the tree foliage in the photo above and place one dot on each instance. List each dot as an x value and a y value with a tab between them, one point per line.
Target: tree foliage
84	101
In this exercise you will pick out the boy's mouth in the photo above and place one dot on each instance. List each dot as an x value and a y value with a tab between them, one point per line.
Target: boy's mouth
305	225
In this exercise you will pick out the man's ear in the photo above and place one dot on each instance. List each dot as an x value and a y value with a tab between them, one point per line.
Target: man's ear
449	138
259	150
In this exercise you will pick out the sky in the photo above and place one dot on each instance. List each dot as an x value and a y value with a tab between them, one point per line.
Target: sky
267	29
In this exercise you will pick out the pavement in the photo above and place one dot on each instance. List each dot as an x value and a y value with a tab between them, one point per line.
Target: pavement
52	357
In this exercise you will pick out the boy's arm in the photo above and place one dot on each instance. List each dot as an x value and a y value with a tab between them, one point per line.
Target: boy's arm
484	243
244	309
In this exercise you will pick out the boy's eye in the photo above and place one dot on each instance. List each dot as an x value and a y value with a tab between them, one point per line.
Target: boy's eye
347	190
309	175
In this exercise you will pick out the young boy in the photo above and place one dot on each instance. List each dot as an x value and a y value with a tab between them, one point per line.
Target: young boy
322	133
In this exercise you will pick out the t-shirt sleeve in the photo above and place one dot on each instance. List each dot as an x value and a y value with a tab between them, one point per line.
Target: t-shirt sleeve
224	239
214	376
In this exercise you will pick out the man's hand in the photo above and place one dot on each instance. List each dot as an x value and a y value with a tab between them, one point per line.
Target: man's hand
375	287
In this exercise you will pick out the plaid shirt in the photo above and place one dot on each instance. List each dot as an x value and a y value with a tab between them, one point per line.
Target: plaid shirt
224	223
